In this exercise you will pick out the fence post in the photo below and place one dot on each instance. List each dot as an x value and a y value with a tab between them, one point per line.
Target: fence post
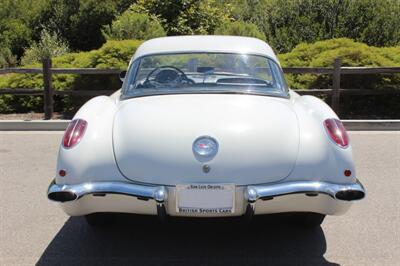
336	85
48	89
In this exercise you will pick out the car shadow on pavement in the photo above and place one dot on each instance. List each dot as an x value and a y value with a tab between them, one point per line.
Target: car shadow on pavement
134	240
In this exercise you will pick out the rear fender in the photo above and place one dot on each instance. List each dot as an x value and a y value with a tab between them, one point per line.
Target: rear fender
319	158
92	159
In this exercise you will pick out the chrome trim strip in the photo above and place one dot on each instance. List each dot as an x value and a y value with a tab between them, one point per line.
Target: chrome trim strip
158	193
254	193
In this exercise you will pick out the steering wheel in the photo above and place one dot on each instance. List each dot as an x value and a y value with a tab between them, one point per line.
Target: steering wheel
167	74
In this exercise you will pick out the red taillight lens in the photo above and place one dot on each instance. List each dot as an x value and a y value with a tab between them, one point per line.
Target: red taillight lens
74	133
337	132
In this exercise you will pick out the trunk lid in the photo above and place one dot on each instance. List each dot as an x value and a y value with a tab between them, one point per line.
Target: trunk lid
257	136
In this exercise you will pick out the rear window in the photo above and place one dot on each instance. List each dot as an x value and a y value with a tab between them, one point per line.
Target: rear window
204	72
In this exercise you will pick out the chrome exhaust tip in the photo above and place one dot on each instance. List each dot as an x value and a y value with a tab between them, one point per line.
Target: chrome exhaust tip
62	196
350	195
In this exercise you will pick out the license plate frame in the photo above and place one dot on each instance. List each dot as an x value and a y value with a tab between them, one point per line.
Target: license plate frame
205	199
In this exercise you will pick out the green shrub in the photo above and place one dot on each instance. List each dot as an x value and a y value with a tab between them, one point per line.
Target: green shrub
132	25
323	53
7	59
50	45
113	54
240	28
116	54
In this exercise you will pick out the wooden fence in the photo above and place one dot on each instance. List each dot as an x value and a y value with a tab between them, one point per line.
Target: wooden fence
335	91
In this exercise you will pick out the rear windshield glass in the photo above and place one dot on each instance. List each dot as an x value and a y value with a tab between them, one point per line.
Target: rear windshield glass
204	73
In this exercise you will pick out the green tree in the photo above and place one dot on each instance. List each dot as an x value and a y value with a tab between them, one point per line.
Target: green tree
14	36
287	23
184	17
372	22
15	28
132	25
80	22
88	22
240	28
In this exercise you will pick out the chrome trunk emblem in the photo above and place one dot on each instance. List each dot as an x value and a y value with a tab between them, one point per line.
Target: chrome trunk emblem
205	147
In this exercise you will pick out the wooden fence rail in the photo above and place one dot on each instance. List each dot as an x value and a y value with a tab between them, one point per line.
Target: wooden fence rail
337	71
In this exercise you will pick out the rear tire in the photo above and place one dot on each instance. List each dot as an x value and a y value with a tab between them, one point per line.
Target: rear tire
309	219
99	219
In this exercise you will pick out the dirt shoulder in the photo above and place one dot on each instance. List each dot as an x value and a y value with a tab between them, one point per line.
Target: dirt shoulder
29	116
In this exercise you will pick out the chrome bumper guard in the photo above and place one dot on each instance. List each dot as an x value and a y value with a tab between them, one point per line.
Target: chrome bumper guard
66	193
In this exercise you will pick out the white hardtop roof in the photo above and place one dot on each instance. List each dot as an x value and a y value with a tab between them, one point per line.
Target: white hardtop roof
205	43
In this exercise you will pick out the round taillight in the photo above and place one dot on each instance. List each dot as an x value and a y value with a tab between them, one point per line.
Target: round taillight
337	132
74	132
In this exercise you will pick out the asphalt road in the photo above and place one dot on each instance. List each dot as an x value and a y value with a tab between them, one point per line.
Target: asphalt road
35	231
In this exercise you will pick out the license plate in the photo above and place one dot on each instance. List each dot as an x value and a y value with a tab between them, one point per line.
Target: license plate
205	198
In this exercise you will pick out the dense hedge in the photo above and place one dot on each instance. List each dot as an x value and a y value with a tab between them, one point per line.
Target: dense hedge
116	54
323	53
113	54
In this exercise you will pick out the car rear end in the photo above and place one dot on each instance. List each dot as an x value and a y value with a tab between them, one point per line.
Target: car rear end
204	130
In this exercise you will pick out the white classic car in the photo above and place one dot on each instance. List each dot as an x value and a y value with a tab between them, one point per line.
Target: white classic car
205	126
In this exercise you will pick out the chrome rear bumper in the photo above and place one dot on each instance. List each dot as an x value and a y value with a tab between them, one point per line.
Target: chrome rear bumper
253	193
